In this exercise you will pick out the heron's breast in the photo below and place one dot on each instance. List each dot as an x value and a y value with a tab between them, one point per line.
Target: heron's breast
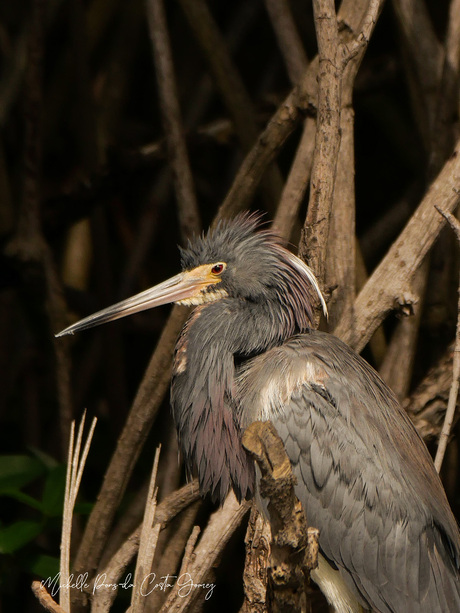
267	382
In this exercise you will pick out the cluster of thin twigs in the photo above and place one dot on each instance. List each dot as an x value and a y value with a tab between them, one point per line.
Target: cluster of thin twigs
207	115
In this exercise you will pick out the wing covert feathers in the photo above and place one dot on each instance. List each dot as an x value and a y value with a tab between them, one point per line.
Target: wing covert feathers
364	476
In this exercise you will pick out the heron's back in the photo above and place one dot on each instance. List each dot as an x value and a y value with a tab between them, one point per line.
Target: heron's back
365	478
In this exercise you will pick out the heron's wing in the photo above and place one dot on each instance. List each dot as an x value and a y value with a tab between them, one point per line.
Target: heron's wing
364	476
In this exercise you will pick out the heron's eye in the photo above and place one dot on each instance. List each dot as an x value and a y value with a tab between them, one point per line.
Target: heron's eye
217	269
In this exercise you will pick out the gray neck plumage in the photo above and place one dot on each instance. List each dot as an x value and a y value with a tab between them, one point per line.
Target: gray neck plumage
215	339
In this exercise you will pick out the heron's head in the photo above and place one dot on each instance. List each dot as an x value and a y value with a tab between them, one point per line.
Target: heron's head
236	259
240	260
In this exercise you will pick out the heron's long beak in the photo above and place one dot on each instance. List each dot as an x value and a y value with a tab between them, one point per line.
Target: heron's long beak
184	286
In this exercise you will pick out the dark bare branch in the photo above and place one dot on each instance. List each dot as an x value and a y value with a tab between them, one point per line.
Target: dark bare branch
423	61
229	83
297	182
183	181
288	38
453	394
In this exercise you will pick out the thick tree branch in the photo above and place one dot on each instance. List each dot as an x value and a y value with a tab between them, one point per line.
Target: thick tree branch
339	61
257	542
293	555
316	229
392	278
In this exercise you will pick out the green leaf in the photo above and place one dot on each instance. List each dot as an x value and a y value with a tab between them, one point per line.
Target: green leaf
47	460
25	498
18	470
42	565
53	494
84	508
17	535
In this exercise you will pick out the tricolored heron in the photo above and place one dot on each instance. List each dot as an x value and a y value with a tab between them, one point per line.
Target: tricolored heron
388	539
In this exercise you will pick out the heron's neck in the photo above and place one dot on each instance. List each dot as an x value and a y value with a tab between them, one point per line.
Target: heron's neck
203	395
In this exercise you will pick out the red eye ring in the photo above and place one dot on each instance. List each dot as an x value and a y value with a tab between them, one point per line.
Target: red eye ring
217	269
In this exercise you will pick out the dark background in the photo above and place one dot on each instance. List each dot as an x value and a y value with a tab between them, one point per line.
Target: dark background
85	179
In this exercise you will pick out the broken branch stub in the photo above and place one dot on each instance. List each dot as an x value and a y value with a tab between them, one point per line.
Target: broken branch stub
294	547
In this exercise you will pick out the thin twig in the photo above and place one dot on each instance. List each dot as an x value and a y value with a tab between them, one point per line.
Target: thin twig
148	541
190	546
170	551
75	467
452	404
297	182
64	560
127	524
264	152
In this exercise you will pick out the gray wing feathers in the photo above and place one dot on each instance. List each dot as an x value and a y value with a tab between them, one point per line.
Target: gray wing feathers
385	559
381	511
